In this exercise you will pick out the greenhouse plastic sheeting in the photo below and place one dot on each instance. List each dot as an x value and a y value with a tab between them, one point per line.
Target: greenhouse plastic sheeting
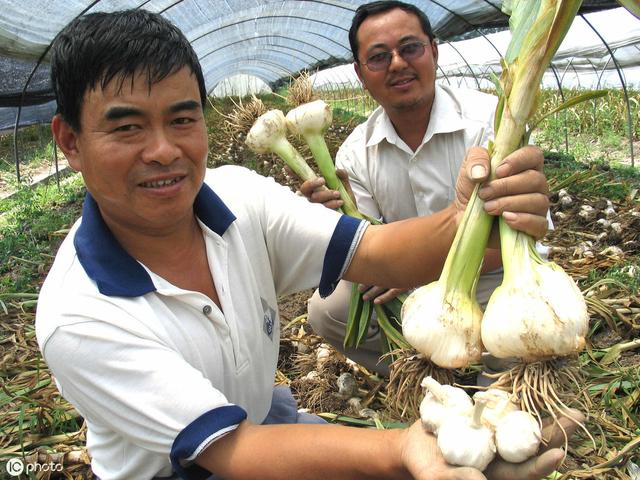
582	61
270	40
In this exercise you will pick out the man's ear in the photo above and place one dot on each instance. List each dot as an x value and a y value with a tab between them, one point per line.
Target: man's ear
358	69
434	51
67	139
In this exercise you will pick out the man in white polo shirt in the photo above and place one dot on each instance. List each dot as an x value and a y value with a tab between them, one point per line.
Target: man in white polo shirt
404	160
159	319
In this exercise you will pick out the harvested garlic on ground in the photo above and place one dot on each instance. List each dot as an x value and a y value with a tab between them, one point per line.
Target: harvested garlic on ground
465	441
440	402
518	436
497	404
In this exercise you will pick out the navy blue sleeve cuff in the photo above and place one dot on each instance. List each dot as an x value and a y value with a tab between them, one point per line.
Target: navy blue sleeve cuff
338	252
198	435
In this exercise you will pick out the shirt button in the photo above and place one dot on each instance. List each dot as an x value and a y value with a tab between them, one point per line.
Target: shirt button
207	309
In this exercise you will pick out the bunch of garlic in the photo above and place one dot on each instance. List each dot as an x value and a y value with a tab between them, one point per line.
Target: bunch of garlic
470	432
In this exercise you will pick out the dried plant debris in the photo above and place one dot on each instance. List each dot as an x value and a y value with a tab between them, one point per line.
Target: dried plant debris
300	90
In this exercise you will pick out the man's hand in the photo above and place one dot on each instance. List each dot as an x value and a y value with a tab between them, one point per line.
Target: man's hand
316	191
519	191
380	295
423	459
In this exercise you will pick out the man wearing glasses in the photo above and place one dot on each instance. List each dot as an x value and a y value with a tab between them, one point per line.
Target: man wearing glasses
402	161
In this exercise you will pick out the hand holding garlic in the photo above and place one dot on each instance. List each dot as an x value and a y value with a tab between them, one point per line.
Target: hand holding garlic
423	460
470	434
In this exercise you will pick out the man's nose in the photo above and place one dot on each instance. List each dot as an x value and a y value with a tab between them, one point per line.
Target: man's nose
397	62
161	148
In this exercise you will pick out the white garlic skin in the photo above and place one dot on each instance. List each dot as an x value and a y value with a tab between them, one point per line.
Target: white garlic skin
442	402
497	404
311	117
541	315
445	330
267	129
518	436
463	444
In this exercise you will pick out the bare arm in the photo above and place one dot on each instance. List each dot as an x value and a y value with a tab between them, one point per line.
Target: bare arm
305	451
332	451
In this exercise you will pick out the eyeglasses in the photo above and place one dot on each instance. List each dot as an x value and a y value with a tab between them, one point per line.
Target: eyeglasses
408	51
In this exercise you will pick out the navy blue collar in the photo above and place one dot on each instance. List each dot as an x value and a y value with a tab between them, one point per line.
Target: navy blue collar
115	271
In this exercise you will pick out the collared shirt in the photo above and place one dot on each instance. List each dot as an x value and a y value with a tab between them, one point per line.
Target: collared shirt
390	181
159	372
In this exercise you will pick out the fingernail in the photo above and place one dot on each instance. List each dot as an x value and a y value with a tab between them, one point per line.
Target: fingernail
478	171
340	203
490	205
510	216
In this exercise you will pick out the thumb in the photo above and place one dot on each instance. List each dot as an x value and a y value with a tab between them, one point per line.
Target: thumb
475	169
477	164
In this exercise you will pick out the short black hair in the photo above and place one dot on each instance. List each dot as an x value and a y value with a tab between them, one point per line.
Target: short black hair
374	8
97	48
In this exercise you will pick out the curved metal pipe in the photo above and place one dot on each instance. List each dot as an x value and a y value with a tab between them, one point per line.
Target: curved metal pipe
622	82
24	91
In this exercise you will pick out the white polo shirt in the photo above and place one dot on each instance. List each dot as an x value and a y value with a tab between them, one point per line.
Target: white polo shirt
159	372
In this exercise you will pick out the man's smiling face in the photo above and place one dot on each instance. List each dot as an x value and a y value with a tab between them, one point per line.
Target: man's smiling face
404	85
142	150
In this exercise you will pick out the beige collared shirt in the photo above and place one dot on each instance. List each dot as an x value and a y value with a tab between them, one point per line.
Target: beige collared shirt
390	181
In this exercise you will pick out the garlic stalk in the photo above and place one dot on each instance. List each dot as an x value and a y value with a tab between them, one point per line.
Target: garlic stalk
268	135
538	312
310	121
441	320
441	402
465	441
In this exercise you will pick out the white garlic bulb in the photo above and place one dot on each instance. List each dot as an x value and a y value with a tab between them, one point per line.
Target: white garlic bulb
441	402
464	441
518	436
535	314
443	325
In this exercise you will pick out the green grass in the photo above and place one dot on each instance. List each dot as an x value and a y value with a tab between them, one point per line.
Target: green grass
27	231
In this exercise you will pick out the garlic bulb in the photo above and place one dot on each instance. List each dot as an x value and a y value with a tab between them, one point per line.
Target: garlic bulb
538	312
312	117
497	404
442	320
463	440
518	436
310	121
441	402
268	135
444	326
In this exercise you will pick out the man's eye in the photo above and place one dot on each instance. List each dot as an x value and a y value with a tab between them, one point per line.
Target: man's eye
379	57
183	120
125	128
410	48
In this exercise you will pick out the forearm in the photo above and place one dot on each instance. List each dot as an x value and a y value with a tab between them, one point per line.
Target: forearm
406	253
305	451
